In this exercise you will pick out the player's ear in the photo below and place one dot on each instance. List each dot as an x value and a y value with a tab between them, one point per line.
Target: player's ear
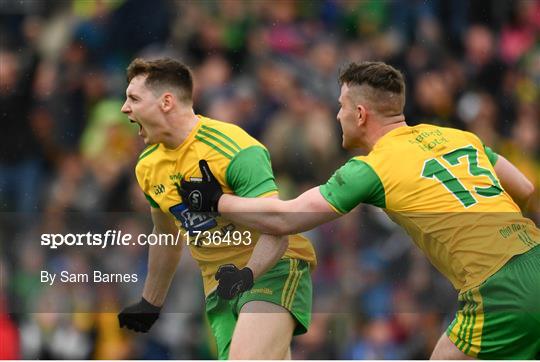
361	113
167	102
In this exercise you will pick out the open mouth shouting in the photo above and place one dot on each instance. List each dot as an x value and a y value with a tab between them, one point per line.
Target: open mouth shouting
140	126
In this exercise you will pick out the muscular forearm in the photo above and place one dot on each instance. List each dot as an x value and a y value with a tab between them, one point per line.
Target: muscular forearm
162	263
264	214
267	252
277	217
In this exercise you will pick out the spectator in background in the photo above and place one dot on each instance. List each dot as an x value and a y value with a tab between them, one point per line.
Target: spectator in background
483	69
20	159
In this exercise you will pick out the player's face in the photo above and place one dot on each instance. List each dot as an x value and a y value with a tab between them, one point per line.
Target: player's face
348	118
143	107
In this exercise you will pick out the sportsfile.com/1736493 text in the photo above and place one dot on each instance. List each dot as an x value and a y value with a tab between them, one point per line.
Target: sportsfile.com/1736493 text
119	238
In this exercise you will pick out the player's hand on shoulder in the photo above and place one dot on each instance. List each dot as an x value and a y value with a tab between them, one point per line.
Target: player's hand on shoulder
139	317
201	196
233	281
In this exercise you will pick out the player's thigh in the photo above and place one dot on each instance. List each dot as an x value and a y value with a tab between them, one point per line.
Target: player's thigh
263	331
446	349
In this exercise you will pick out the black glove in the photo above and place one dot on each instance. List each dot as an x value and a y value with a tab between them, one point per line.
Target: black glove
139	317
201	196
233	281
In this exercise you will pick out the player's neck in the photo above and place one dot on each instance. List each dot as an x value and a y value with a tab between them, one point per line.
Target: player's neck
180	126
388	126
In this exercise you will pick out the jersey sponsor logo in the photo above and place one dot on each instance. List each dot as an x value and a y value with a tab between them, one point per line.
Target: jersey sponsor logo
428	140
192	221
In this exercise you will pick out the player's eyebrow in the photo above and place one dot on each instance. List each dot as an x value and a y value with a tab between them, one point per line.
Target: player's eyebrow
131	95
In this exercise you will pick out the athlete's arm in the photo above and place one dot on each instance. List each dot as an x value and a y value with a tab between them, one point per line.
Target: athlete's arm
353	183
268	250
162	260
266	254
513	181
277	217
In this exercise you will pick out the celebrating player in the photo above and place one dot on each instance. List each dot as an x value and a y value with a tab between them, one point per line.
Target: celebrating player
453	195
233	260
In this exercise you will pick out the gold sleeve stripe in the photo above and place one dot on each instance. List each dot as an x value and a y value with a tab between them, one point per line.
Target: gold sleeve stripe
333	208
269	193
222	135
207	142
208	136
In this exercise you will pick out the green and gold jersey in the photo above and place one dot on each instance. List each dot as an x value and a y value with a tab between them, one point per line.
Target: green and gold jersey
241	165
440	186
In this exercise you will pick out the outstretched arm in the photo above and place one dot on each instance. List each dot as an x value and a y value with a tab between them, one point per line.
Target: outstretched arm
268	215
513	181
353	183
277	217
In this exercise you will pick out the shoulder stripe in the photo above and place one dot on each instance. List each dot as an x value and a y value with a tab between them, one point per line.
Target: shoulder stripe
205	141
224	136
208	135
146	153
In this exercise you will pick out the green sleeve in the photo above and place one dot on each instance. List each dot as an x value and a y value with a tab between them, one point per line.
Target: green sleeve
492	155
354	183
151	201
249	173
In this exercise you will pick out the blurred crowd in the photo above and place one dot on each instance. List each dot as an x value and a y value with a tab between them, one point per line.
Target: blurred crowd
270	67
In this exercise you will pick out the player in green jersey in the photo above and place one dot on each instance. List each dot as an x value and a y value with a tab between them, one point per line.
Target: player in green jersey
455	197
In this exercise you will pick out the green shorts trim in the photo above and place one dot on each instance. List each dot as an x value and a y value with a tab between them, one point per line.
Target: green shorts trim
500	319
287	284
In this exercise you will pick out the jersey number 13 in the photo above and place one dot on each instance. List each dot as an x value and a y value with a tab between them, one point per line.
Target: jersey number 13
433	168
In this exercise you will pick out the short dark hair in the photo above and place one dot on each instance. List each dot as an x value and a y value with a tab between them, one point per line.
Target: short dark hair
385	81
162	74
378	75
